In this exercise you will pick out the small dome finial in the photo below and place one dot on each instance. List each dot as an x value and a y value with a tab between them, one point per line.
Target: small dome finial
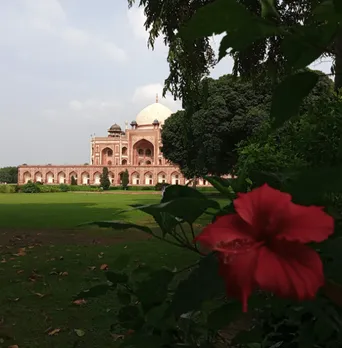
157	98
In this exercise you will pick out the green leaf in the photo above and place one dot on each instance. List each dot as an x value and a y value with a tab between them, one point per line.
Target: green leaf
156	316
142	341
245	36
173	192
306	44
311	184
289	94
224	315
123	296
222	185
203	283
97	290
79	332
153	291
254	335
165	221
130	317
188	209
217	17
116	278
338	6
119	225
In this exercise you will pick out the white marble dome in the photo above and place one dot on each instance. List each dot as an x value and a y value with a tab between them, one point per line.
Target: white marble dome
153	112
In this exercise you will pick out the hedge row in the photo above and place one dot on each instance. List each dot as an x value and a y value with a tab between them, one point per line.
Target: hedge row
36	188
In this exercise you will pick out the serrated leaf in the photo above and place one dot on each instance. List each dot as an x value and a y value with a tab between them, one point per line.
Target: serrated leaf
289	94
95	291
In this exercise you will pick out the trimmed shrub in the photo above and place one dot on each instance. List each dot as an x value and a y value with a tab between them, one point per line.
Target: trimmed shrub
8	188
30	187
64	188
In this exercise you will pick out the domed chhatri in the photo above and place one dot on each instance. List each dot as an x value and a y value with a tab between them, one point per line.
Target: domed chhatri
115	128
155	121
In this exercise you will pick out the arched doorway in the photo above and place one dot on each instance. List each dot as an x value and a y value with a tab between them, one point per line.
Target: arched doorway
161	177
111	177
85	178
106	156
119	181
61	177
135	178
38	177
148	178
175	178
72	174
27	177
143	151
124	151
49	178
124	162
97	178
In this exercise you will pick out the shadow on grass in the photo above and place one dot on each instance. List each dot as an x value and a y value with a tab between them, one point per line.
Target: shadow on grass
61	215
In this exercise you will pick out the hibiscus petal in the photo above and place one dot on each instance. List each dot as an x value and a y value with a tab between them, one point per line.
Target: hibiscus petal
224	230
306	224
263	208
238	274
289	270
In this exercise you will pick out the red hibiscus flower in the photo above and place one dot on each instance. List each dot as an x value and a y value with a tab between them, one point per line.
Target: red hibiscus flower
263	245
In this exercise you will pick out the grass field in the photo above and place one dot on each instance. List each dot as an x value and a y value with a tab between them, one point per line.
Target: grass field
46	260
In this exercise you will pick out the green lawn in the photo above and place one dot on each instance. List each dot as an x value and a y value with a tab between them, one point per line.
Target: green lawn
59	259
67	210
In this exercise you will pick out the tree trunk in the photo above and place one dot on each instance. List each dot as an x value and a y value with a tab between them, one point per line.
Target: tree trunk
338	62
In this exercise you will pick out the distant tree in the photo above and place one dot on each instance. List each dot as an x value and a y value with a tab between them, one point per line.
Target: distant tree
9	175
125	179
73	181
104	179
204	141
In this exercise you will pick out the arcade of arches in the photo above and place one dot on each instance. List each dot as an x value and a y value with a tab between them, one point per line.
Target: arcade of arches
137	149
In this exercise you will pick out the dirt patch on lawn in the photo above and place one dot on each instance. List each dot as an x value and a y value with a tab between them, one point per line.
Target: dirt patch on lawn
22	238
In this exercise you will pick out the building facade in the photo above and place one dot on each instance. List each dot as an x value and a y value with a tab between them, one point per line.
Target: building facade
137	149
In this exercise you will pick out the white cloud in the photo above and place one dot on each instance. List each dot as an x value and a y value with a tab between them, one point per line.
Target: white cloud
40	31
136	20
95	105
146	95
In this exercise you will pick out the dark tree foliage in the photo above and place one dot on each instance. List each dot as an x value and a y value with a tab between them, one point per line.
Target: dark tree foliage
232	110
189	61
9	175
204	141
104	179
125	179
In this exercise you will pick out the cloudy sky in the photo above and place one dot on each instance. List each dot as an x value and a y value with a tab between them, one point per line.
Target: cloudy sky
70	68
